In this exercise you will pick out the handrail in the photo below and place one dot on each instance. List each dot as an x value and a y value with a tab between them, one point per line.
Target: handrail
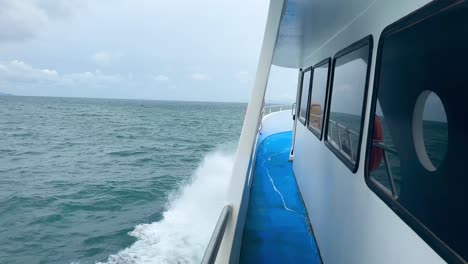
276	108
348	132
384	147
388	168
212	250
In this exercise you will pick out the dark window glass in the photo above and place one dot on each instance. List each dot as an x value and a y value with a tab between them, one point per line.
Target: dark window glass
347	104
304	96
317	98
383	144
418	147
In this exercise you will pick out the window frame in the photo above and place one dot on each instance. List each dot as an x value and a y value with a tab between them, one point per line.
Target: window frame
421	230
328	61
306	119
366	41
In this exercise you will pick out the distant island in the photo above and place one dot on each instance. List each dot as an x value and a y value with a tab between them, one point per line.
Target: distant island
5	94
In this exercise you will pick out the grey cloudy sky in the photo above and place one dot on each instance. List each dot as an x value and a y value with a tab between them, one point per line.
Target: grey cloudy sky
178	50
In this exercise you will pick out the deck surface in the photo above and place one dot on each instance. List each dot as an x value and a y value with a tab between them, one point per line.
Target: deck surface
277	228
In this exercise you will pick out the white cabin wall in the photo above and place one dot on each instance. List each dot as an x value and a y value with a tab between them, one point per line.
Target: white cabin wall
351	223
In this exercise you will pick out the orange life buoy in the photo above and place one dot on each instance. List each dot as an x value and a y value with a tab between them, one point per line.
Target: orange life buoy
377	153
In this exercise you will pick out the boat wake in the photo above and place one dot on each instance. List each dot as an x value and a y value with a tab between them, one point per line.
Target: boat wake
185	230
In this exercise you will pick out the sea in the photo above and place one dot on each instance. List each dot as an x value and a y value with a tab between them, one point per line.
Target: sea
112	181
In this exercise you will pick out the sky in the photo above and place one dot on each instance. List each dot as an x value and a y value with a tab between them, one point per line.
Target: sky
204	50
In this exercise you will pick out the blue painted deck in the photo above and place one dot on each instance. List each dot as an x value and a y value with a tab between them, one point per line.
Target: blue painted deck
277	228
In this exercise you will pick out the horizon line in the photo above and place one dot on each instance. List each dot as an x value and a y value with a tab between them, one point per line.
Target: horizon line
137	99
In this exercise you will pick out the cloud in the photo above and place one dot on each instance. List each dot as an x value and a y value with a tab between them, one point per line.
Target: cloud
105	58
20	20
42	33
200	77
160	78
61	8
19	72
95	78
243	77
22	72
281	98
282	85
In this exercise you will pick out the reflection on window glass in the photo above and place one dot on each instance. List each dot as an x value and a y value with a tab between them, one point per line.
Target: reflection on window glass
347	102
434	131
419	162
304	96
317	99
384	164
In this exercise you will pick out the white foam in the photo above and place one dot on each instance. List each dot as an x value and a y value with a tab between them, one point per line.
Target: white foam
185	230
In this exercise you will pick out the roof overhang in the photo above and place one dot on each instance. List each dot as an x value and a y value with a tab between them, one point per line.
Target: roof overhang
306	25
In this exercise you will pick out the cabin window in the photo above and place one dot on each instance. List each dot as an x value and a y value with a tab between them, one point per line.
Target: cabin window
417	146
304	96
318	96
347	102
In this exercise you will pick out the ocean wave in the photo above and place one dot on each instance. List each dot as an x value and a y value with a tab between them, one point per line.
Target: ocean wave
183	233
98	206
126	153
143	161
14	202
21	134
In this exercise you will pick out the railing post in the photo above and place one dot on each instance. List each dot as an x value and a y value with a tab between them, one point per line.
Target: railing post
350	145
389	174
339	135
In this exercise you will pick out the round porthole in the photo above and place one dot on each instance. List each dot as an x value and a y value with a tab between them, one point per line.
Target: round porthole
430	130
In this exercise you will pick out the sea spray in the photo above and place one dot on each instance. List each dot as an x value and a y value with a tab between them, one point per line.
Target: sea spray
184	232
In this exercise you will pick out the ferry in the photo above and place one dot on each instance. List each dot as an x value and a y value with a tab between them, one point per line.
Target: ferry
368	165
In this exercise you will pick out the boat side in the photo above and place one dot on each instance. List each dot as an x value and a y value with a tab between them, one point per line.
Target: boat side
352	220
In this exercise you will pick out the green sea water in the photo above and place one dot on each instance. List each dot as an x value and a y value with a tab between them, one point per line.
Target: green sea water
118	181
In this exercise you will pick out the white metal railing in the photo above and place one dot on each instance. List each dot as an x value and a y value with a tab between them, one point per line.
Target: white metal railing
347	133
388	168
277	108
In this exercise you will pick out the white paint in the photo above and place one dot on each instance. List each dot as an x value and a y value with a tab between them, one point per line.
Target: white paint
418	127
273	182
276	122
418	131
296	110
351	223
238	192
